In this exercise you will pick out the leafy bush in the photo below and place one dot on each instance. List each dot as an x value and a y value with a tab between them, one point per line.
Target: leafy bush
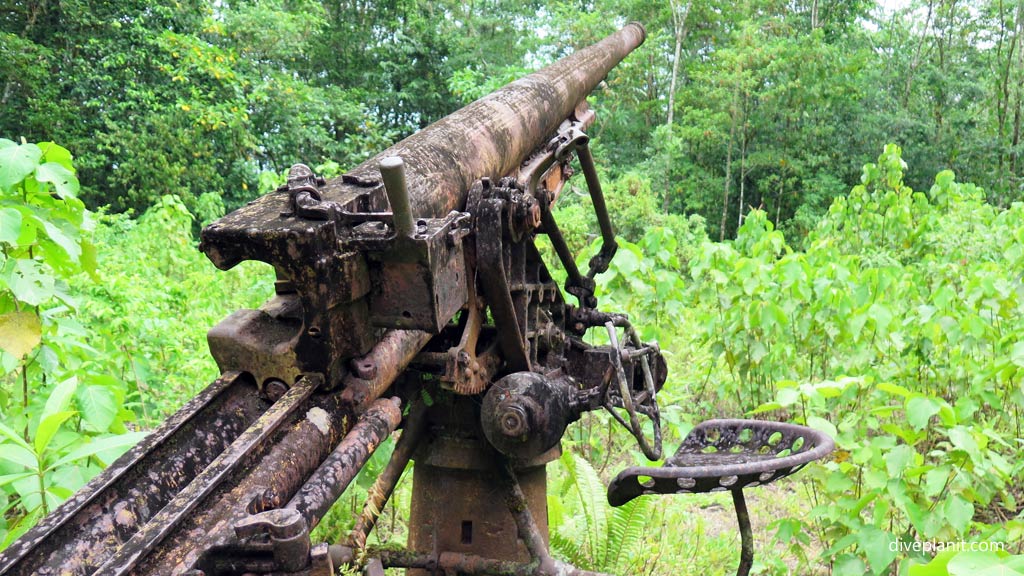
899	331
64	417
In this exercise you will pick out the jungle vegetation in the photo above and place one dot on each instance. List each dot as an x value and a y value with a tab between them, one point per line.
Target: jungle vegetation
819	205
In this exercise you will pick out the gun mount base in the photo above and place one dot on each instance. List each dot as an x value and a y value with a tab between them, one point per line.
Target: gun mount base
459	485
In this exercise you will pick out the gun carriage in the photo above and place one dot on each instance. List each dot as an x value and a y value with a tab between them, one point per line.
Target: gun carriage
409	294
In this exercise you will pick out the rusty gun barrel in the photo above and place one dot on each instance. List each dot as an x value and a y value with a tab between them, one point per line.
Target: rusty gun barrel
490	137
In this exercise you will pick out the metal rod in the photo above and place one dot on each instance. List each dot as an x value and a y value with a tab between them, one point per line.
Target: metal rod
331	479
746	534
392	171
529	533
389	357
599	263
385	484
576	284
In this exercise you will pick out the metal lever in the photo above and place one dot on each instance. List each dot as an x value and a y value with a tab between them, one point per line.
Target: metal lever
392	171
633	425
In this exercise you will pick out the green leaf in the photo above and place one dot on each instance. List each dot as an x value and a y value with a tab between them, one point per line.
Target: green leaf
1017	354
60	397
881	315
56	153
69	245
627	262
959	512
897	460
823	425
27	279
937	567
894	389
122	441
19	455
8	478
16	162
63	180
788	396
920	409
13	436
48	427
875	545
935	481
10	225
98	406
963	439
849	565
20	333
984	564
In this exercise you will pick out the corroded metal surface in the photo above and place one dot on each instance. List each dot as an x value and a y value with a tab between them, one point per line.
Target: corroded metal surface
339	469
490	137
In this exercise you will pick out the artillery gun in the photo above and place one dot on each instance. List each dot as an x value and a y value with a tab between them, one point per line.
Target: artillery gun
409	294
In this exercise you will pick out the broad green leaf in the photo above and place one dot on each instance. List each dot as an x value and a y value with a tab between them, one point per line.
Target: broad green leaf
894	389
96	446
69	478
17	162
48	426
881	315
1017	354
766	407
627	262
29	282
937	567
935	481
971	563
13	436
69	245
60	397
875	545
56	153
920	409
8	478
849	565
20	333
823	425
10	225
63	180
958	512
897	460
963	439
19	455
98	406
788	396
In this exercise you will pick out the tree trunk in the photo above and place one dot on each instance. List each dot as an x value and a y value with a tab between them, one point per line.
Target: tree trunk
679	23
743	175
1015	142
725	194
916	61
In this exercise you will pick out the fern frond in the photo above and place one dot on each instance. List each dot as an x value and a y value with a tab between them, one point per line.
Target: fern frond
591	494
625	531
567	548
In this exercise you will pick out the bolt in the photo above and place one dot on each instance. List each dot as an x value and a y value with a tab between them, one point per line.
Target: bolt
513	421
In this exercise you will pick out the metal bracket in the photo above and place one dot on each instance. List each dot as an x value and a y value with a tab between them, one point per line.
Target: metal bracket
304	199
